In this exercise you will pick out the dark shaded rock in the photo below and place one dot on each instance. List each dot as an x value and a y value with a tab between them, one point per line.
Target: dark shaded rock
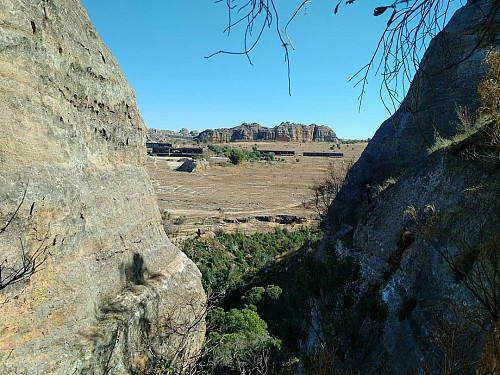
190	165
435	94
421	291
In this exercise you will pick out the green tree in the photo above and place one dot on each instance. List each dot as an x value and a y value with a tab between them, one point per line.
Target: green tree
253	297
273	292
239	341
236	156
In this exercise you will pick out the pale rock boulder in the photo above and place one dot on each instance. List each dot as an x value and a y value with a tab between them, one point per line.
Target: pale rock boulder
110	289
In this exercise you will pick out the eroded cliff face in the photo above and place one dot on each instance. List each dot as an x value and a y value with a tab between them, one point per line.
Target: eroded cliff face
285	132
77	207
451	205
446	82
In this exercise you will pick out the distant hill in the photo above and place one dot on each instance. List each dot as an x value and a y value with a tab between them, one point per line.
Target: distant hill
285	132
170	136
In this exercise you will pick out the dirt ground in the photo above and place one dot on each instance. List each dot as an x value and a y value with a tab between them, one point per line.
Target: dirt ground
249	197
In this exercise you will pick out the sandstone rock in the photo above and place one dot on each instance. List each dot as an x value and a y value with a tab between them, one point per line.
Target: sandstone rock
416	283
167	136
430	107
74	190
192	165
285	132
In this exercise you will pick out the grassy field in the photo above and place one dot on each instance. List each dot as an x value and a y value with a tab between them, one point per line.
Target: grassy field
245	198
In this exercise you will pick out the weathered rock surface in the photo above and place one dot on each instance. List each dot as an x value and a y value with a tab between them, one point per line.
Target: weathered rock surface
430	107
191	165
425	303
285	132
169	136
74	194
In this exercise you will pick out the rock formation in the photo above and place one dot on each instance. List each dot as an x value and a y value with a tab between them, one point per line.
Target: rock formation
431	107
452	198
100	289
168	136
190	165
285	132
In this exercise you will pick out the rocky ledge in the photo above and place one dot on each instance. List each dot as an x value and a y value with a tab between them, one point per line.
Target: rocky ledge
284	132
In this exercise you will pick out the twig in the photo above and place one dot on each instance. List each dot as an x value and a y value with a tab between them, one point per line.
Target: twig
17	209
291	19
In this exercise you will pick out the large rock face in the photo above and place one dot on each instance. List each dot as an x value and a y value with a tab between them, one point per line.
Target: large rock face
431	105
285	132
453	198
77	207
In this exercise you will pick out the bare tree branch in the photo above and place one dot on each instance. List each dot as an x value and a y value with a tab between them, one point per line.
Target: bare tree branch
16	211
410	27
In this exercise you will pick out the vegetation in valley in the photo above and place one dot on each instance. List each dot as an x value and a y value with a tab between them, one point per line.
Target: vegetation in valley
237	156
230	261
269	281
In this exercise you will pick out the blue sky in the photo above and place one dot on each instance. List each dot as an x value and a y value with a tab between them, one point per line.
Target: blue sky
161	47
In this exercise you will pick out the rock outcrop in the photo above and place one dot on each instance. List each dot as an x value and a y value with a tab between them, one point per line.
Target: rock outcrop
169	136
285	132
190	165
100	288
450	201
443	85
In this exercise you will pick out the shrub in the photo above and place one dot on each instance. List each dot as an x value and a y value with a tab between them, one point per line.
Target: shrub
236	156
325	191
179	220
268	156
239	341
386	184
489	87
231	260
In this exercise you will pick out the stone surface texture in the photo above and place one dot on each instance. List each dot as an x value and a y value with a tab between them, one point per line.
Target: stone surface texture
430	107
169	136
419	289
285	132
74	194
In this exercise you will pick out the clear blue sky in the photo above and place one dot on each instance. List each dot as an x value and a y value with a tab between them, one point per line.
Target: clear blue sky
160	46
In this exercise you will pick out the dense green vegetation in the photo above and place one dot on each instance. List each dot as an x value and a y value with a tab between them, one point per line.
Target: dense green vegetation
269	280
239	339
229	261
347	141
236	156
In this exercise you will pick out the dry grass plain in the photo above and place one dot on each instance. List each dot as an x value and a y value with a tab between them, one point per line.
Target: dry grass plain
248	197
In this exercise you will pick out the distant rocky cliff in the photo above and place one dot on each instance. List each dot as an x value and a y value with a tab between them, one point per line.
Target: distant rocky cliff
169	136
285	132
89	282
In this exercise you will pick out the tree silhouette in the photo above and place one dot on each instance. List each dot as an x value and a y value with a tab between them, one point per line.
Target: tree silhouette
409	28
